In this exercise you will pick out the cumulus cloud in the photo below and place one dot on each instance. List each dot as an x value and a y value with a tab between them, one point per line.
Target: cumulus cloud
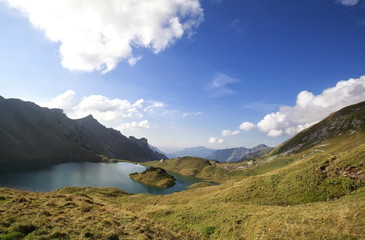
62	101
247	126
215	140
311	108
218	86
118	113
96	35
227	133
102	108
132	126
349	2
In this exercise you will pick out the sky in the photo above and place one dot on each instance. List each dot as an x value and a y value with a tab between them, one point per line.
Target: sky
185	73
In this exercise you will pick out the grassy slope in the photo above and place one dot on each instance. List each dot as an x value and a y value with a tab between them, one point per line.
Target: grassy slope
193	166
316	194
155	177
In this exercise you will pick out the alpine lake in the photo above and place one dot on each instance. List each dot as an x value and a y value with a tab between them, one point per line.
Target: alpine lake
81	174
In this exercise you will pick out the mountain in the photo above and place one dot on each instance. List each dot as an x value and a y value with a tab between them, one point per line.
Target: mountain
193	152
347	121
256	154
29	132
156	149
315	192
235	154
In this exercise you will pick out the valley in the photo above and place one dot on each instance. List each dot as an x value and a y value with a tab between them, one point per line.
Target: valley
310	187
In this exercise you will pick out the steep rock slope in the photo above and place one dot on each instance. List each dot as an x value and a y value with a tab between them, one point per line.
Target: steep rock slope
28	131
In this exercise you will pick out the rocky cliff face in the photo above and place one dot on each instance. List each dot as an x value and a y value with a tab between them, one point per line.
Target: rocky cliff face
28	131
347	121
234	154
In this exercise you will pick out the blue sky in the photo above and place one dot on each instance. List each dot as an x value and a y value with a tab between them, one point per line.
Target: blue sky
187	73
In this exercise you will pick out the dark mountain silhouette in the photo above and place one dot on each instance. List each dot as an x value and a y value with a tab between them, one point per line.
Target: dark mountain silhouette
29	132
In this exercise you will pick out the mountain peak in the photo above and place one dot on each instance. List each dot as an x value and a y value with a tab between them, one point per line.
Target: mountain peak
237	154
29	131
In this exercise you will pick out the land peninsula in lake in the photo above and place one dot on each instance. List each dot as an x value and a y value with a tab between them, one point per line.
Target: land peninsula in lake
152	176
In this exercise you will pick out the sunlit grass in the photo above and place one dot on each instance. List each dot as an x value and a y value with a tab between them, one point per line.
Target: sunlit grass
315	194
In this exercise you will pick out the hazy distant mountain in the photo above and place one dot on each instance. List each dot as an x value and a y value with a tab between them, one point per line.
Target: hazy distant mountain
194	152
234	154
156	149
28	132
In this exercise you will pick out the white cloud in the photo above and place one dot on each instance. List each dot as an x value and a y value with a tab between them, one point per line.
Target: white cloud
218	86
96	35
133	60
227	133
311	108
215	140
187	114
62	101
247	126
349	2
102	108
154	105
132	126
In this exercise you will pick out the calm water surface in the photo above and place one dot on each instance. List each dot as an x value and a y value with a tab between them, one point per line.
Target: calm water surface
88	174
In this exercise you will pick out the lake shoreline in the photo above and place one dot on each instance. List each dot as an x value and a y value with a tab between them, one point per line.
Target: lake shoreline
48	178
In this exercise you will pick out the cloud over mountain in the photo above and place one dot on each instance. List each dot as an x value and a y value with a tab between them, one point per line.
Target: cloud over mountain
96	35
111	112
310	108
215	140
227	133
134	126
101	107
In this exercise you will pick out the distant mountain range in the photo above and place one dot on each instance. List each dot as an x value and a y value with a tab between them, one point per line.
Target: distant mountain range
222	155
237	154
29	132
193	152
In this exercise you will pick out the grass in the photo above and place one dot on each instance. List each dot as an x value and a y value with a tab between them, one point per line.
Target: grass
194	167
316	194
154	177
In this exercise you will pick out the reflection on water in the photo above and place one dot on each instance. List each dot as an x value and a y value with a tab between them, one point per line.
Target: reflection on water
88	174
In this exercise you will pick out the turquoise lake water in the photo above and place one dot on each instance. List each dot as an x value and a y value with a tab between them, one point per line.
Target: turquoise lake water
88	174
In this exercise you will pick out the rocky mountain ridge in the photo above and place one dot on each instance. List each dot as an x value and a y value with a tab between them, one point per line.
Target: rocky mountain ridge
347	121
28	131
235	154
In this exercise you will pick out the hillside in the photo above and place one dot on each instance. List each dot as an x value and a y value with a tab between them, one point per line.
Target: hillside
347	121
29	132
157	177
308	199
236	154
194	167
313	193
